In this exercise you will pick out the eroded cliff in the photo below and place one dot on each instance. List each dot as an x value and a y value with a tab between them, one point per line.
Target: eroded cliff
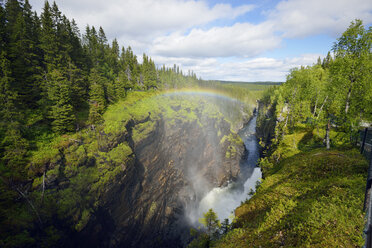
129	181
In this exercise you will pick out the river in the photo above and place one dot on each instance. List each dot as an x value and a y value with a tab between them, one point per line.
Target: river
224	200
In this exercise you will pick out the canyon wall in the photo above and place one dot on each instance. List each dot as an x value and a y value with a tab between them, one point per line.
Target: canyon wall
140	180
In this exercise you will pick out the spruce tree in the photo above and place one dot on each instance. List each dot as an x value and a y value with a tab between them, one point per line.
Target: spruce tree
97	100
48	38
61	112
78	84
13	147
8	96
211	222
2	27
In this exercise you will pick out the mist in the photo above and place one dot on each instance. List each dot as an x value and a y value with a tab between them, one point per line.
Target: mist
224	200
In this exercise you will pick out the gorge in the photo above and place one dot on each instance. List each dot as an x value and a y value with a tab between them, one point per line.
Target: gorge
143	177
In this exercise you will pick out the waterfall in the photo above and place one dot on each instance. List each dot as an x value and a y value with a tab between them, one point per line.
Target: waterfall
224	200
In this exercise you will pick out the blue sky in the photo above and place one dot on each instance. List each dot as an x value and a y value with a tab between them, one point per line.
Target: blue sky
244	40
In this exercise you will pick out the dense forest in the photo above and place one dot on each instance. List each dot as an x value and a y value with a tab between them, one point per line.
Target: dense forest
55	80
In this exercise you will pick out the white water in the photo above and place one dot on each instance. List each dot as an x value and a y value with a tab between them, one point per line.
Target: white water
224	200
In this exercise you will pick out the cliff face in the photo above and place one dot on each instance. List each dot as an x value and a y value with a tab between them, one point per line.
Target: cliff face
266	122
175	165
131	187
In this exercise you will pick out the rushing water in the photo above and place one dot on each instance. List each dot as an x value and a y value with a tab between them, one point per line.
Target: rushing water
225	200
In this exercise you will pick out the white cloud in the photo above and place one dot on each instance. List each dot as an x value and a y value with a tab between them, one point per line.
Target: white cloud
240	69
241	39
146	18
303	18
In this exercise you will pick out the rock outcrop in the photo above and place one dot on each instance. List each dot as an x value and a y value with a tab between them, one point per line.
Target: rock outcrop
154	169
175	166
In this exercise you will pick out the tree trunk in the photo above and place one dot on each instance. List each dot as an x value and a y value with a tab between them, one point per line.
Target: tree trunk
316	104
347	104
321	108
285	125
328	145
31	205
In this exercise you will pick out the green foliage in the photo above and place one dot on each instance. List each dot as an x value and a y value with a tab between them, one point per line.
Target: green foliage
120	154
338	91
59	94
141	131
97	96
211	223
312	199
351	79
14	154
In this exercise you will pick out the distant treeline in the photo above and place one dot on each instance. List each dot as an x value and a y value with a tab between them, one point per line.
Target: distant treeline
243	82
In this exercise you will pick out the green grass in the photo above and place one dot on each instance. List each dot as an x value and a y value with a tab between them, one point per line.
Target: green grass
311	198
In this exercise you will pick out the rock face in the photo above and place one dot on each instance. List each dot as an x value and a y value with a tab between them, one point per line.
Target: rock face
175	164
265	123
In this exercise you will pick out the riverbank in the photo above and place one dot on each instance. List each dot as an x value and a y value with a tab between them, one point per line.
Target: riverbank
311	197
224	200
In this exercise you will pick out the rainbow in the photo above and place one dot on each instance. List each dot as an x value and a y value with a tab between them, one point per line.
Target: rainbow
201	92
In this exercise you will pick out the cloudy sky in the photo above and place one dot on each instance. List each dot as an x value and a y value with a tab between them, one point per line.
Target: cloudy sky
245	40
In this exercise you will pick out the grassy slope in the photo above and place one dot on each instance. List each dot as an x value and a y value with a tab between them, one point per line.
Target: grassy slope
311	198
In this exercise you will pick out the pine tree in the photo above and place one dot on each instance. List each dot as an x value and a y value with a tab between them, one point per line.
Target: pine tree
13	147
61	112
113	57
14	155
211	223
8	97
102	48
149	73
24	58
327	61
48	38
90	46
225	226
2	27
97	98
76	52
79	85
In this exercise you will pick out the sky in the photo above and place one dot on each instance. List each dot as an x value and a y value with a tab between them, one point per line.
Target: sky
239	40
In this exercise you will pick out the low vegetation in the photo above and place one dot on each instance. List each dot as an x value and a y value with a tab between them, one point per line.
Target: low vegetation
313	197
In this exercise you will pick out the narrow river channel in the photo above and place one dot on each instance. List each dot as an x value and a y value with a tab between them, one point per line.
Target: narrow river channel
223	200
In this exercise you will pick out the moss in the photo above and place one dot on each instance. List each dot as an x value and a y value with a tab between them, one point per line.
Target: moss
233	138
312	199
141	131
74	157
152	209
120	154
53	173
85	217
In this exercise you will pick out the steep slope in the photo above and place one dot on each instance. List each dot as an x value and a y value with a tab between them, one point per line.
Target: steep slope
310	197
313	199
129	181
